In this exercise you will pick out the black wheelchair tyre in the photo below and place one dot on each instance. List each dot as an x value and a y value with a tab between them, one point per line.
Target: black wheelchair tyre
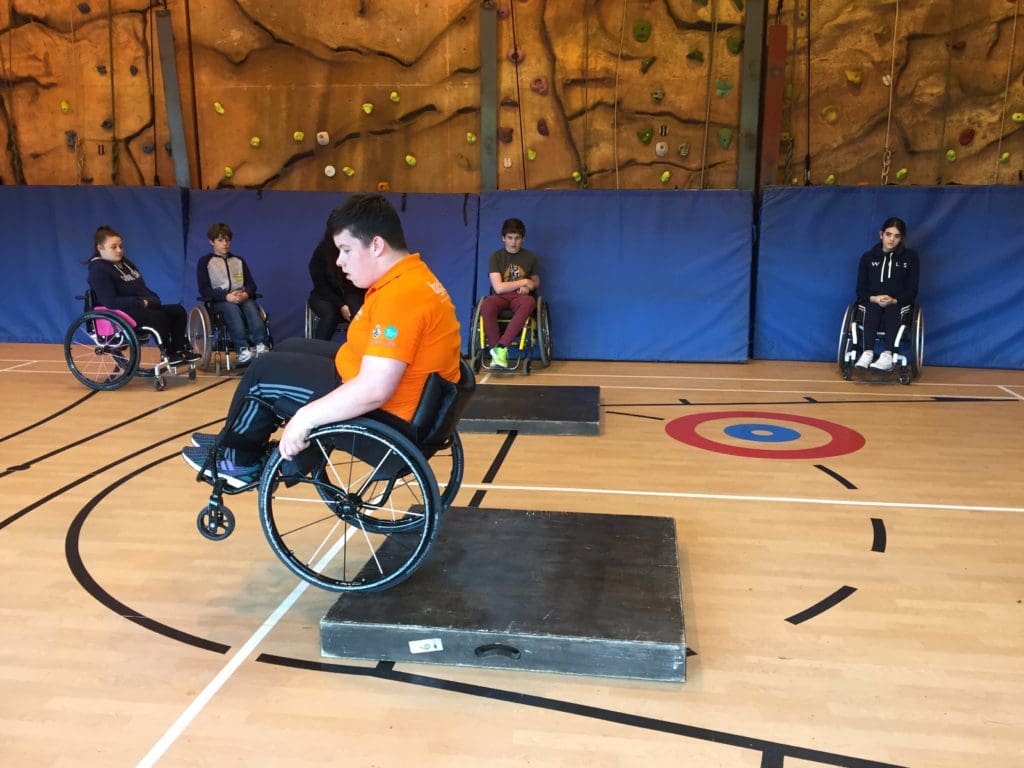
355	524
845	342
101	362
916	360
543	332
476	343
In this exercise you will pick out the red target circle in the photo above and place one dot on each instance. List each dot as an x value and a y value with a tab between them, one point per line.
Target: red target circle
844	440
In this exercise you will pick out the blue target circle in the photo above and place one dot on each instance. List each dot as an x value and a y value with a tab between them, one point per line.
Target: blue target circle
762	433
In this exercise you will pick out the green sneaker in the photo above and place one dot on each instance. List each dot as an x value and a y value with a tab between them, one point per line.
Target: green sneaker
499	357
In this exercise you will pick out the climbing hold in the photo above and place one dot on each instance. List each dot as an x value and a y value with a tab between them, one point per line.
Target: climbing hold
65	106
133	70
1018	117
734	44
71	138
883	35
228	171
298	136
661	148
349	171
657	95
959	45
539	85
367	107
830	115
84	8
255	141
830	179
577	176
684	150
323	138
167	148
410	160
1004	158
503	12
738	4
647	64
966	136
794	180
722	88
785	137
701	3
951	155
531	154
383	186
542	127
505	135
516	55
395	98
645	135
470	137
725	137
107	124
697	55
506	161
218	108
854	76
148	148
901	174
666	176
641	31
329	171
508	101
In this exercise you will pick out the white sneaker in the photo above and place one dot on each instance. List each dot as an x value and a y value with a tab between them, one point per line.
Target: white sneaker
244	356
261	349
865	359
884	362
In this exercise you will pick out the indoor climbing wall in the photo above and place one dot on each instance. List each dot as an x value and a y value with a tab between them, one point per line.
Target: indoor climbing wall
940	84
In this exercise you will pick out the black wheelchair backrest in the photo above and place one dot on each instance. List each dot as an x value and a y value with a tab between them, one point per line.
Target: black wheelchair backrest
441	406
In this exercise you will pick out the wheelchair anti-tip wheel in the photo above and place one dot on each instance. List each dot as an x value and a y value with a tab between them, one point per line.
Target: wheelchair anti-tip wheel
363	519
101	350
215	522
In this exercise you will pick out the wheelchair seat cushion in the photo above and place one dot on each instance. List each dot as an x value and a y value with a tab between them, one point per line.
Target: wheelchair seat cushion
105	327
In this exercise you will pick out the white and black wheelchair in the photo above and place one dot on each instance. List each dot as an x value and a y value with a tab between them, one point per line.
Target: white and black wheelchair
358	509
908	357
104	348
210	336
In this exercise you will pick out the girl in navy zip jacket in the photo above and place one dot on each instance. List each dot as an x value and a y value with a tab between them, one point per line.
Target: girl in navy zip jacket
118	284
886	283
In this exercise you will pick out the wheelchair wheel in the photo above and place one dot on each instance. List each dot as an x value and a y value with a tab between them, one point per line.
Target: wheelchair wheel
101	350
448	464
916	360
200	334
543	332
476	339
363	520
846	343
309	323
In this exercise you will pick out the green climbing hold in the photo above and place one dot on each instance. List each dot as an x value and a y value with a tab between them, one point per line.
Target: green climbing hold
641	31
684	150
734	44
657	95
645	135
722	88
830	115
738	4
647	63
725	137
830	179
1004	158
951	155
901	174
696	55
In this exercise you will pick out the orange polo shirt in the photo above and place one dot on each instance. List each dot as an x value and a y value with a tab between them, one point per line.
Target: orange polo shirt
407	315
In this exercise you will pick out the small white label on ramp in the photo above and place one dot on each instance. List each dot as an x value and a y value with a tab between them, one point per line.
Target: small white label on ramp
426	646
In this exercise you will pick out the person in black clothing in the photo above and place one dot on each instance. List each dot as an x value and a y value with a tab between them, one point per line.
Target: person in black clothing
118	284
887	279
334	299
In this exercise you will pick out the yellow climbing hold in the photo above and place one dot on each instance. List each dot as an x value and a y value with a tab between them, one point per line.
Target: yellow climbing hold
830	179
666	176
410	160
951	155
531	154
255	141
228	171
470	137
1018	117
65	106
218	108
830	115
854	76
368	107
577	176
298	136
1004	158
901	174
394	97
349	171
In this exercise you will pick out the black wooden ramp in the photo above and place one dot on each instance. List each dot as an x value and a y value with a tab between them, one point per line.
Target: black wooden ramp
586	594
533	410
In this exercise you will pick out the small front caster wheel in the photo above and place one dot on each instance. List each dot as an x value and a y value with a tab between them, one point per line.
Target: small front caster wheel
215	523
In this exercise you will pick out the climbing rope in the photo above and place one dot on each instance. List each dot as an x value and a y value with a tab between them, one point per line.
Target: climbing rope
807	101
8	102
790	142
707	101
114	146
1006	92
887	155
941	154
615	99
77	145
519	101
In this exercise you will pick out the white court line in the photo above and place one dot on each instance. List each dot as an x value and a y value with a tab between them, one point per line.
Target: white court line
1011	392
19	365
733	497
192	711
592	376
902	395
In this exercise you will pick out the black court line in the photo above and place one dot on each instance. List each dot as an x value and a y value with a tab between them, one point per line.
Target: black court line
84	478
28	464
836	476
774	751
52	416
636	415
878	527
492	471
73	555
822	605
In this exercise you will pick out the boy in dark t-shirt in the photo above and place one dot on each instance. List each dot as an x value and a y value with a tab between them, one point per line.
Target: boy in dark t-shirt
514	280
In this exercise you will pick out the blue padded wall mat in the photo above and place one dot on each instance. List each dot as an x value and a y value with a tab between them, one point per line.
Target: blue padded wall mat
970	241
276	233
635	274
48	235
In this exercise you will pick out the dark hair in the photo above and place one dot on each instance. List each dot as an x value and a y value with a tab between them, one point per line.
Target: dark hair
103	233
368	215
895	222
513	227
220	229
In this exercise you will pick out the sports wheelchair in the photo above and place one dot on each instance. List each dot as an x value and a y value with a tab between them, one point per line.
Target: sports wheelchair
358	510
535	336
104	348
209	334
908	359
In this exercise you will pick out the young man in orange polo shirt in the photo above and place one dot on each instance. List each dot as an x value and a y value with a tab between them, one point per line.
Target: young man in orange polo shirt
405	330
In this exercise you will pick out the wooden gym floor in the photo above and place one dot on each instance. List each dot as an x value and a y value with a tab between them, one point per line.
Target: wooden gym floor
845	604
